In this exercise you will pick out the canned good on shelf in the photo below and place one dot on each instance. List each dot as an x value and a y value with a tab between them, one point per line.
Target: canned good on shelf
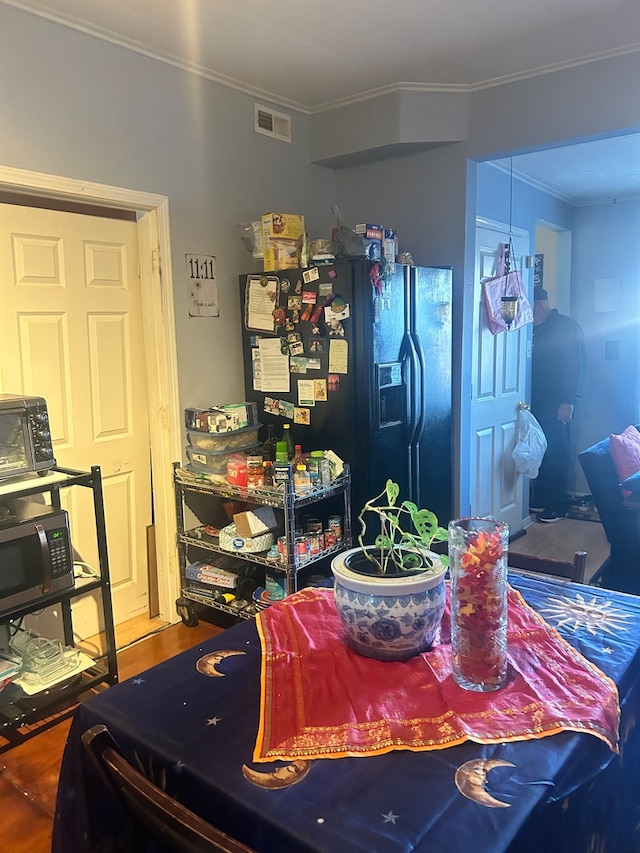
329	537
335	523
275	585
316	543
303	548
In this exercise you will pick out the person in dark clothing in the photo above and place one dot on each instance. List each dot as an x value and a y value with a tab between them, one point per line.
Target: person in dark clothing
558	367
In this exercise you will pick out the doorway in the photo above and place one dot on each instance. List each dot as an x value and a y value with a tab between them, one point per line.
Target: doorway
498	384
157	328
71	332
553	264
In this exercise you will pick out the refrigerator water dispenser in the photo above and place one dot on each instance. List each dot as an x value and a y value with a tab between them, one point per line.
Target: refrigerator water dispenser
391	395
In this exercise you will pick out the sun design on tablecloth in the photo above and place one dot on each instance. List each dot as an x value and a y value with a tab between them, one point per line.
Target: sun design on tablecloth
578	612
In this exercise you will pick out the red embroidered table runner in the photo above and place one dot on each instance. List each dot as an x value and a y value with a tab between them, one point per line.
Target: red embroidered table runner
320	699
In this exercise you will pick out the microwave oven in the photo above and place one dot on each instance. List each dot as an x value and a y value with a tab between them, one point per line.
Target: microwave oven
26	445
35	553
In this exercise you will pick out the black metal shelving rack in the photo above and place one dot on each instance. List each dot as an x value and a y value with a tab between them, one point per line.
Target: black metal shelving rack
285	499
22	716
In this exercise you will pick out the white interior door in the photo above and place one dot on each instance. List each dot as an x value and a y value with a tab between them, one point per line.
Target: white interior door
499	370
71	331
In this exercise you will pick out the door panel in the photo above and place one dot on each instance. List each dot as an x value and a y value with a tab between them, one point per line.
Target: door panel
71	331
499	366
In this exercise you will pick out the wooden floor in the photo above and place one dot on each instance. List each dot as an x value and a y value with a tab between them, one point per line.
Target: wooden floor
29	772
562	539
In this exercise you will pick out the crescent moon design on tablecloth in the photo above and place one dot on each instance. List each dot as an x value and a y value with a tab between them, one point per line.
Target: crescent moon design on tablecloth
207	663
282	777
472	776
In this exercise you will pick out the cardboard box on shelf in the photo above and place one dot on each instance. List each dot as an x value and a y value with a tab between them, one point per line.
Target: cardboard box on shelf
255	522
282	238
210	574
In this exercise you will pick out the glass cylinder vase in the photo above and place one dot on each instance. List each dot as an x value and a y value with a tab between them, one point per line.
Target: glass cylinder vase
478	549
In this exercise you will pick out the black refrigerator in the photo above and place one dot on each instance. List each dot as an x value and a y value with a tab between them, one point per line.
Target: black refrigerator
373	349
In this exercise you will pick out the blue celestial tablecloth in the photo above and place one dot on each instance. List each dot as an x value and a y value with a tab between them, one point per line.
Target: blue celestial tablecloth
191	724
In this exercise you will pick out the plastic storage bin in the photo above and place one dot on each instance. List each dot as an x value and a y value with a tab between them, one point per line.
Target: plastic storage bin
212	462
219	442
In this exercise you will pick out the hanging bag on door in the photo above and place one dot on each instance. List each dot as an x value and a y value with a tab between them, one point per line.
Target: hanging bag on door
508	284
531	445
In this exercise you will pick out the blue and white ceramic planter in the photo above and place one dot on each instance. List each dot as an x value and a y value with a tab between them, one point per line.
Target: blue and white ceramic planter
386	617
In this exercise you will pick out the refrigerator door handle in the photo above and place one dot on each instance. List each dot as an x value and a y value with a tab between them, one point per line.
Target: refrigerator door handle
415	388
420	379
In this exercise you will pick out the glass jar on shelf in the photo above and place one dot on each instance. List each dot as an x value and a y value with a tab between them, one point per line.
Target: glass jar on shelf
301	479
255	472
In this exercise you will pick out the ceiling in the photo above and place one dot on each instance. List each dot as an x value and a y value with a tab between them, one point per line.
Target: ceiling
309	56
600	172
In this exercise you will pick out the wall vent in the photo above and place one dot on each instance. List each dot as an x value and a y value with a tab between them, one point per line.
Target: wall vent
271	123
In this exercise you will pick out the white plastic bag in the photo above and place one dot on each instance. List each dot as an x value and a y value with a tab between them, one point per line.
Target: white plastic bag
531	445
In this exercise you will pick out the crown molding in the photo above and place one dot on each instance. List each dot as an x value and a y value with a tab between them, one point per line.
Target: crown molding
557	66
307	109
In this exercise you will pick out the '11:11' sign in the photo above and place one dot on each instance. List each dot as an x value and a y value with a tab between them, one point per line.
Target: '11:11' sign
203	288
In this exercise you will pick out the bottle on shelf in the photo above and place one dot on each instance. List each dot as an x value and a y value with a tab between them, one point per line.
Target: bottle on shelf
301	479
269	444
282	466
267	473
298	457
288	438
313	466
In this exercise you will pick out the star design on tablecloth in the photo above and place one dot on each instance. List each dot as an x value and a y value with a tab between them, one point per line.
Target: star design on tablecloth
390	817
592	614
138	680
213	721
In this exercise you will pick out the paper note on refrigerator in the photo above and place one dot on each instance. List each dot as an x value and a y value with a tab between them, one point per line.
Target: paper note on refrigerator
306	395
260	300
338	356
274	366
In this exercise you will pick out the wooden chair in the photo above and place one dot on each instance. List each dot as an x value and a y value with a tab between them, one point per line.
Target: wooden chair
572	570
169	822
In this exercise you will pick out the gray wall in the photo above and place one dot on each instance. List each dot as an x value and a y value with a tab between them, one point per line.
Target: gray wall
77	106
586	101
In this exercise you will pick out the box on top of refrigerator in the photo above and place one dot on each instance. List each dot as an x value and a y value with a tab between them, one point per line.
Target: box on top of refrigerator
282	238
371	232
390	244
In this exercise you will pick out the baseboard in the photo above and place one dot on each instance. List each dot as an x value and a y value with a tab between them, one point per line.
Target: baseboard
518	534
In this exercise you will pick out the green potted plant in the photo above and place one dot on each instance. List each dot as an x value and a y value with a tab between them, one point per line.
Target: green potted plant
391	594
396	549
